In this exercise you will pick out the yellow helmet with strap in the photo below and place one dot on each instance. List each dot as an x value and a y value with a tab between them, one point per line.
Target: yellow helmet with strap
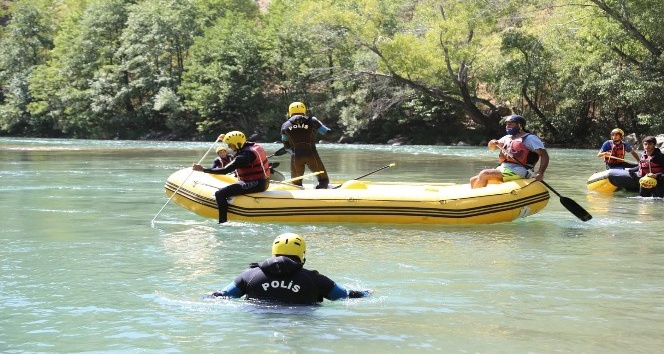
235	137
289	244
648	182
296	108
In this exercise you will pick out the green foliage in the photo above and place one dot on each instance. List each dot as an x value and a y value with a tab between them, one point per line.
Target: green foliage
26	43
224	80
64	88
426	70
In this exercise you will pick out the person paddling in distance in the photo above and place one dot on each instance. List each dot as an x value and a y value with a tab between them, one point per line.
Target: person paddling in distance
520	151
298	134
650	170
222	159
251	165
283	278
614	150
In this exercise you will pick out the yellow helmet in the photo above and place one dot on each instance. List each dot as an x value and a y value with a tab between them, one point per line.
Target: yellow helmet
296	108
221	148
289	244
648	182
619	131
235	137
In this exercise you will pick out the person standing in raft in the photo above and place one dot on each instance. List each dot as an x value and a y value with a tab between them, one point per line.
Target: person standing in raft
519	152
298	134
650	171
283	278
222	159
252	168
614	150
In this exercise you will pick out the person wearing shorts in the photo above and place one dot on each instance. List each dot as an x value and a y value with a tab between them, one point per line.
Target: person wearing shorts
520	151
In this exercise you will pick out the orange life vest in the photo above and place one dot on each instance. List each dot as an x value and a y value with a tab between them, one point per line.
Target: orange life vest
617	150
647	165
519	153
260	167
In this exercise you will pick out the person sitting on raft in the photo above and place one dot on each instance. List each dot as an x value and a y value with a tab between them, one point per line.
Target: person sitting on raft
614	150
519	152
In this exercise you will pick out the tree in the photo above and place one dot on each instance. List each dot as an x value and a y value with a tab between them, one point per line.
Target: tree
73	88
440	50
154	47
611	67
224	81
27	41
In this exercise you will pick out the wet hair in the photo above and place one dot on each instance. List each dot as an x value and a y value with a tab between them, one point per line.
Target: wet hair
650	139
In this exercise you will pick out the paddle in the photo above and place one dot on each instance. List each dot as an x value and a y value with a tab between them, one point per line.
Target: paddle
189	175
619	159
278	152
568	203
614	158
370	173
303	176
571	205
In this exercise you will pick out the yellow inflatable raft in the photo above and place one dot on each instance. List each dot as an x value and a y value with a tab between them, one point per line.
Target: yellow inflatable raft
358	201
609	181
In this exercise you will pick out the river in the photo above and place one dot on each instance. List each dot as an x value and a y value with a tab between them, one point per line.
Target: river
83	270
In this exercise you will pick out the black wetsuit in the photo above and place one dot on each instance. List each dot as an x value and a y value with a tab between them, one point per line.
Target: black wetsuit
285	280
301	133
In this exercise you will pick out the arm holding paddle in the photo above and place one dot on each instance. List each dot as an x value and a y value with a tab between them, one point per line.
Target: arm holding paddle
495	144
230	167
543	164
520	152
538	148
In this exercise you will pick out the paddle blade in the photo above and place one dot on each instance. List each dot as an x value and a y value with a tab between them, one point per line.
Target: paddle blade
280	152
575	209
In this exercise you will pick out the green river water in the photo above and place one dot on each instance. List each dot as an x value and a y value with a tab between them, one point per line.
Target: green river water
83	270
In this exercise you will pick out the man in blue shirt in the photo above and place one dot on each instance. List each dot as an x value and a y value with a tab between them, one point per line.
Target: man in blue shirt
615	149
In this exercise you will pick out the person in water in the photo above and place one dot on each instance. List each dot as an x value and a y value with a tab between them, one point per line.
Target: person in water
298	134
222	159
520	150
614	150
252	168
283	278
650	170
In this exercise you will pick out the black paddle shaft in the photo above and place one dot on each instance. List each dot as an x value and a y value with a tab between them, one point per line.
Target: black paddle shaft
374	171
370	173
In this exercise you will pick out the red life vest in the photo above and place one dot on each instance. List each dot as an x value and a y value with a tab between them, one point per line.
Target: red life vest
221	162
260	167
617	150
518	153
646	165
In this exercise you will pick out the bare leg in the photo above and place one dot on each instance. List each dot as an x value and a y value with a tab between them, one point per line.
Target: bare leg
484	177
473	181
